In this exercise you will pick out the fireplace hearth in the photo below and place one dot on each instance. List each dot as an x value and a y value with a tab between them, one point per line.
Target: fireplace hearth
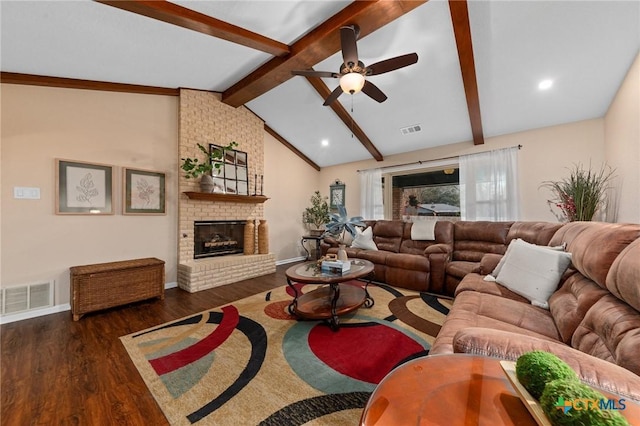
218	238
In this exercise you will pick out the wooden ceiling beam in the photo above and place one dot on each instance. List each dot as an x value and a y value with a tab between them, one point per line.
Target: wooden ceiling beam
73	83
324	91
186	18
322	42
462	30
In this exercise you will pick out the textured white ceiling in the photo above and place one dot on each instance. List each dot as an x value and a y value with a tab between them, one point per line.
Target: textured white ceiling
586	47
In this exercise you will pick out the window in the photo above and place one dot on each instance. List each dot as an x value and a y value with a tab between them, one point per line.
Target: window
427	194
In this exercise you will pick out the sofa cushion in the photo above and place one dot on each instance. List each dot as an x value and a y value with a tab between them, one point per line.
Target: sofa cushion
533	271
460	268
364	239
387	234
472	309
539	233
475	282
611	331
571	302
507	345
623	279
595	245
443	236
472	239
415	262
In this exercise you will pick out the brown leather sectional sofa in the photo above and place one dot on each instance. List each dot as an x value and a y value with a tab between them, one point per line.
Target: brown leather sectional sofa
593	320
399	260
438	266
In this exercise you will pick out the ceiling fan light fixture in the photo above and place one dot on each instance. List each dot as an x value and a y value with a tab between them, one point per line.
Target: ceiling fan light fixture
352	82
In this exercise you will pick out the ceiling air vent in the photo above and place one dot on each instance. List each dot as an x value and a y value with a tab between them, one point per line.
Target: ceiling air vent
415	128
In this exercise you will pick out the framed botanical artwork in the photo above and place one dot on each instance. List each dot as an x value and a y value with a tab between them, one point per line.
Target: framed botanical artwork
232	177
336	196
144	192
83	188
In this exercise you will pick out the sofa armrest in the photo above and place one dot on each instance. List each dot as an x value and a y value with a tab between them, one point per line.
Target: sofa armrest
438	248
438	255
507	345
489	262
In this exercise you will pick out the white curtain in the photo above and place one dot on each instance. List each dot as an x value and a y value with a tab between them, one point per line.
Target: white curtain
371	207
489	185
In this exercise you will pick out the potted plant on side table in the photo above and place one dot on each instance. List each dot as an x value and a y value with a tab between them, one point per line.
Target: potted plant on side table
316	215
339	225
193	168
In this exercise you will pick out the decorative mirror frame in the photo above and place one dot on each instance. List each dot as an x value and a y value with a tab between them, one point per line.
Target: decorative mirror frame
233	176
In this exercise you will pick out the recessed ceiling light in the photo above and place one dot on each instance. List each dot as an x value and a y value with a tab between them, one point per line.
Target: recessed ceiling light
325	142
545	84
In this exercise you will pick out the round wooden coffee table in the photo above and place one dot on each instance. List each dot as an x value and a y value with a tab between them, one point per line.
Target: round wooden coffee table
456	389
333	299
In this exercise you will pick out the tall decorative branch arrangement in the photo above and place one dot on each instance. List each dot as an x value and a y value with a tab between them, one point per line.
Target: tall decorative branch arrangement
580	195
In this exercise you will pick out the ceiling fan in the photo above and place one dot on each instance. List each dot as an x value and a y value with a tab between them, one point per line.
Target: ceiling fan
353	72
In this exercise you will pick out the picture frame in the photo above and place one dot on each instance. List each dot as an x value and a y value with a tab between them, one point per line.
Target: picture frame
83	188
336	196
144	192
233	175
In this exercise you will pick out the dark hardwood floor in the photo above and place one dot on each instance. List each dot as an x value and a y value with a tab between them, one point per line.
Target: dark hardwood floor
59	372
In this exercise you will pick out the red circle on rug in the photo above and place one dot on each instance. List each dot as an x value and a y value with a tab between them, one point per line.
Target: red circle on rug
366	351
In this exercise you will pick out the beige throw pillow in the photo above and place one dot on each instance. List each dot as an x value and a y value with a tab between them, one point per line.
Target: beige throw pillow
533	271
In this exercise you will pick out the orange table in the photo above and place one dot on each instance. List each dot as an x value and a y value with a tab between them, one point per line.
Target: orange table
452	390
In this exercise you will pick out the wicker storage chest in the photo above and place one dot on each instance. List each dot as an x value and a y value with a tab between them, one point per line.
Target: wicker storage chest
105	285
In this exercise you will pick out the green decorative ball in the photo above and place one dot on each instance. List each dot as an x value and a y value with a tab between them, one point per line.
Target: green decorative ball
537	368
581	406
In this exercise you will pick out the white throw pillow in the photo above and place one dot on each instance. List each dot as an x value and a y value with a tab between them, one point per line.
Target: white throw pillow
364	239
533	271
492	276
423	230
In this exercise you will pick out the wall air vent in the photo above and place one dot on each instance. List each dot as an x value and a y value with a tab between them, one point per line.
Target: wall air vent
415	128
26	297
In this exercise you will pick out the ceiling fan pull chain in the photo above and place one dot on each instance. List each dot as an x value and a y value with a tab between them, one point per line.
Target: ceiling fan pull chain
352	116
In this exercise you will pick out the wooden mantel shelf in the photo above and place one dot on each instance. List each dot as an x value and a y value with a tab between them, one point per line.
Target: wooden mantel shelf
229	198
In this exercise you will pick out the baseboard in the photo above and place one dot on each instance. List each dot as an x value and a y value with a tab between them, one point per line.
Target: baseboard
19	316
292	260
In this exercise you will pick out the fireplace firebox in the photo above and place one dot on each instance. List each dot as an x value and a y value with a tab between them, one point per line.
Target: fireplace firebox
218	238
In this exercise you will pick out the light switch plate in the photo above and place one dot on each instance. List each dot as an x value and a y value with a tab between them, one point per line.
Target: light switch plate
26	193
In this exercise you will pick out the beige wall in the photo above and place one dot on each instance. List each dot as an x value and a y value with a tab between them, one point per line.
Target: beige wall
289	183
545	155
40	124
622	145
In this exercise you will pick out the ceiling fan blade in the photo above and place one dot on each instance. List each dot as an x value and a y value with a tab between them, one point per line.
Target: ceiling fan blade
312	73
333	96
348	37
392	64
373	92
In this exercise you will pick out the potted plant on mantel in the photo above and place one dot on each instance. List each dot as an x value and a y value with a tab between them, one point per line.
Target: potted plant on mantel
316	215
193	168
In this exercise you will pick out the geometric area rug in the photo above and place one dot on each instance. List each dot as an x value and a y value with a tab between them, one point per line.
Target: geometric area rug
251	363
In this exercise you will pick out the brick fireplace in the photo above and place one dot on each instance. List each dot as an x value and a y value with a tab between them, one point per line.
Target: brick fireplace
205	119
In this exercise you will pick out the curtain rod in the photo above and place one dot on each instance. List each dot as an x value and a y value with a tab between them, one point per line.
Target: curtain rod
434	159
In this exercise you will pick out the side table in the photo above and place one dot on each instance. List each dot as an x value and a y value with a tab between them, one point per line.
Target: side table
315	238
457	389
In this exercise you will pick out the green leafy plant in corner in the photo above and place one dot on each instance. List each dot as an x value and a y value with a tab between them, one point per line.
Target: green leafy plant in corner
318	214
581	194
193	167
340	223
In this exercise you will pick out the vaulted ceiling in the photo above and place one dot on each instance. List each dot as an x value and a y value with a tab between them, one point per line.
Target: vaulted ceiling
480	63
